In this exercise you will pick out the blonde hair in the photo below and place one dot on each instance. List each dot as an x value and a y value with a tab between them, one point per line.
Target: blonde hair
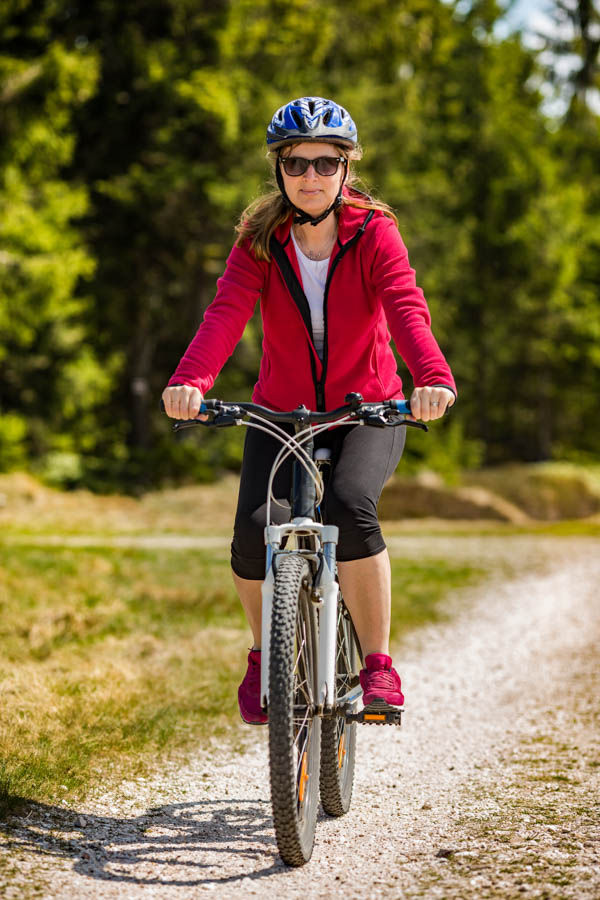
260	219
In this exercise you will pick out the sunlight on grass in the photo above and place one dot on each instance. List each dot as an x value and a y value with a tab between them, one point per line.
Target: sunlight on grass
111	657
418	591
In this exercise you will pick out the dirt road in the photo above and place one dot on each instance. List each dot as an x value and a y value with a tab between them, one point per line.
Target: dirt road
490	789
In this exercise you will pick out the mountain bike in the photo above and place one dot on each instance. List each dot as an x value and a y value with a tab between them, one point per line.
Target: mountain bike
311	656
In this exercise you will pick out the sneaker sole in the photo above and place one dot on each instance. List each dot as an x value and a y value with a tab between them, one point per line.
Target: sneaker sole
247	722
378	712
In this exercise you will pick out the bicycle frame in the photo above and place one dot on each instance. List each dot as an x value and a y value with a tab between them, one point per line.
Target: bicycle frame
310	649
323	539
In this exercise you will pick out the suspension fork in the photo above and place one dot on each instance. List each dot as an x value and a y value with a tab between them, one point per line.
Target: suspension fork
326	594
266	590
328	615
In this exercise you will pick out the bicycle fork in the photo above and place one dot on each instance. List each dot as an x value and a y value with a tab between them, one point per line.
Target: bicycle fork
325	593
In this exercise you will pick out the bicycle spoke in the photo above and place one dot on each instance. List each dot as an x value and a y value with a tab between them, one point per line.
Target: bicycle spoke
302	750
300	723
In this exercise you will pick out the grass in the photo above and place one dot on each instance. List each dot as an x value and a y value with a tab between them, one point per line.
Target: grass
27	507
419	589
111	657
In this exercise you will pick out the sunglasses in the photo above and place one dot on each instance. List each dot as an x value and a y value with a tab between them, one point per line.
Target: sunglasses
298	165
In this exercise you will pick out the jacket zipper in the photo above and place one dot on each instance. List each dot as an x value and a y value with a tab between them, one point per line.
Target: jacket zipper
294	286
320	384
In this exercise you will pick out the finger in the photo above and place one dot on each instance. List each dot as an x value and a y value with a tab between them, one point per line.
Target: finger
178	404
196	399
436	406
445	399
425	407
169	402
185	406
415	405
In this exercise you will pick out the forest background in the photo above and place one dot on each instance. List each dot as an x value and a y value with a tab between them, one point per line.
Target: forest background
132	136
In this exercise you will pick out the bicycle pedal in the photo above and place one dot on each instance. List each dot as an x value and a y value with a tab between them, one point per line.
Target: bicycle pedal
377	713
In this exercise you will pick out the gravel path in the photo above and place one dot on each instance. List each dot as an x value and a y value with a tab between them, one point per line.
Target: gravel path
489	789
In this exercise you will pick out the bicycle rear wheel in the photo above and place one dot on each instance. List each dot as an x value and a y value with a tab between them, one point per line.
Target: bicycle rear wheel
338	739
294	729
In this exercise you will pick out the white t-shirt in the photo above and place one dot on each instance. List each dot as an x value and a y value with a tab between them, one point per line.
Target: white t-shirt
314	276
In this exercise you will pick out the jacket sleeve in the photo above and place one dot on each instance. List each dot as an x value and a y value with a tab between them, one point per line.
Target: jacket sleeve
224	321
406	310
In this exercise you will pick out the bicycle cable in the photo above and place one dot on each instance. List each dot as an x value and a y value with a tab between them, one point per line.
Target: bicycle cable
287	449
293	446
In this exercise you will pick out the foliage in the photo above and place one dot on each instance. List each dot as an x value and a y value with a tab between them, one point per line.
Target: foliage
132	137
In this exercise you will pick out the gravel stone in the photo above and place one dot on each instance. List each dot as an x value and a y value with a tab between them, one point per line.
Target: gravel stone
489	789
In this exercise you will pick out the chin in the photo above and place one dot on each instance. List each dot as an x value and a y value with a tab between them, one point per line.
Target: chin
311	208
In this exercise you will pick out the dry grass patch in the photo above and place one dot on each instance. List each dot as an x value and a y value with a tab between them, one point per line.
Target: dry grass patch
111	658
28	506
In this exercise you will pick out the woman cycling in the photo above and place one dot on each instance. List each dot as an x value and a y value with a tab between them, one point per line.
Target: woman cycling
323	338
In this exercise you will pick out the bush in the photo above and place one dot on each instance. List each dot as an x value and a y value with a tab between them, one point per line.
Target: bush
12	442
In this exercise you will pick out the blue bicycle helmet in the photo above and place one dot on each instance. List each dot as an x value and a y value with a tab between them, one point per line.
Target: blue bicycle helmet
311	119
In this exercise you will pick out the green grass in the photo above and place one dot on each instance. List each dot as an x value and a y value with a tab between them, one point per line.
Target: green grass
110	658
419	589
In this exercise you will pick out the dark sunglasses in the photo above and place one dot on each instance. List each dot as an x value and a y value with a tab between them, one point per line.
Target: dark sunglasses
298	165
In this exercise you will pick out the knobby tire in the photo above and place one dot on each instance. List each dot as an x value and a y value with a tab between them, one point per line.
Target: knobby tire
294	731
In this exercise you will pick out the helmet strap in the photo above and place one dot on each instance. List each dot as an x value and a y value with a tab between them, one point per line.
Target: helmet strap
301	217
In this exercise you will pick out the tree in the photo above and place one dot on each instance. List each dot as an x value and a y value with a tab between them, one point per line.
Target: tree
43	256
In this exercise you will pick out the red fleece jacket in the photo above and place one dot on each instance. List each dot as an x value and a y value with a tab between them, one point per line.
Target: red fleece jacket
370	288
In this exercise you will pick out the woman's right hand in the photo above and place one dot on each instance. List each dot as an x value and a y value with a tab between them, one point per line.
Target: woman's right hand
183	402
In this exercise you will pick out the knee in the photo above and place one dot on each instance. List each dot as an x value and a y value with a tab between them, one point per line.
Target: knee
348	510
249	528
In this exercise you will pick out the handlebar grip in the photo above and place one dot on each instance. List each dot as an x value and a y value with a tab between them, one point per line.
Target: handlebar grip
204	407
402	406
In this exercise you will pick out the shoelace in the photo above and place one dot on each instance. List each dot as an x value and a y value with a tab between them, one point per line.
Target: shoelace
253	682
383	679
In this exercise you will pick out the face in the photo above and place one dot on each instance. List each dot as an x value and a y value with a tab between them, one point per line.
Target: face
312	192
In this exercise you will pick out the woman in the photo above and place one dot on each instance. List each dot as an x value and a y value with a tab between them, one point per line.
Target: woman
332	275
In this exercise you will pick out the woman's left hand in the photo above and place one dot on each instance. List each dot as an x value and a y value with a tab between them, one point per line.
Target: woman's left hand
428	403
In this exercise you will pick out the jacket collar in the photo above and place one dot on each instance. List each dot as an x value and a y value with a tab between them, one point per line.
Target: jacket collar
349	221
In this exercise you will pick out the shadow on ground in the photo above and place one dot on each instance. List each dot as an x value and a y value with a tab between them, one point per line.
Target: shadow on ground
179	844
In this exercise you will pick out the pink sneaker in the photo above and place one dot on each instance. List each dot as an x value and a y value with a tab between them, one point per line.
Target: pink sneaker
249	692
380	681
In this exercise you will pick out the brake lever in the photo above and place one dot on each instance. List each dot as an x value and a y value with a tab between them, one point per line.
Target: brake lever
393	420
380	420
224	419
218	419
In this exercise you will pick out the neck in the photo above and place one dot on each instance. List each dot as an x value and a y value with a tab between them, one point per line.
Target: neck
317	241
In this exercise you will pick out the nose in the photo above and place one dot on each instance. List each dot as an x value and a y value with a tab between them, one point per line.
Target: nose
311	172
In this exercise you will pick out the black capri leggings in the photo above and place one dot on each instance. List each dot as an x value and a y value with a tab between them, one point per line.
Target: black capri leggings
362	460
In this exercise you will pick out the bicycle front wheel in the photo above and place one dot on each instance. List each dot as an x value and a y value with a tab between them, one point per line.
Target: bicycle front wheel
338	741
294	729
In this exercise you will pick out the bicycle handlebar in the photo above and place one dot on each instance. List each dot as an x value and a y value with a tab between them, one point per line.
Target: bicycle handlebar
380	414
